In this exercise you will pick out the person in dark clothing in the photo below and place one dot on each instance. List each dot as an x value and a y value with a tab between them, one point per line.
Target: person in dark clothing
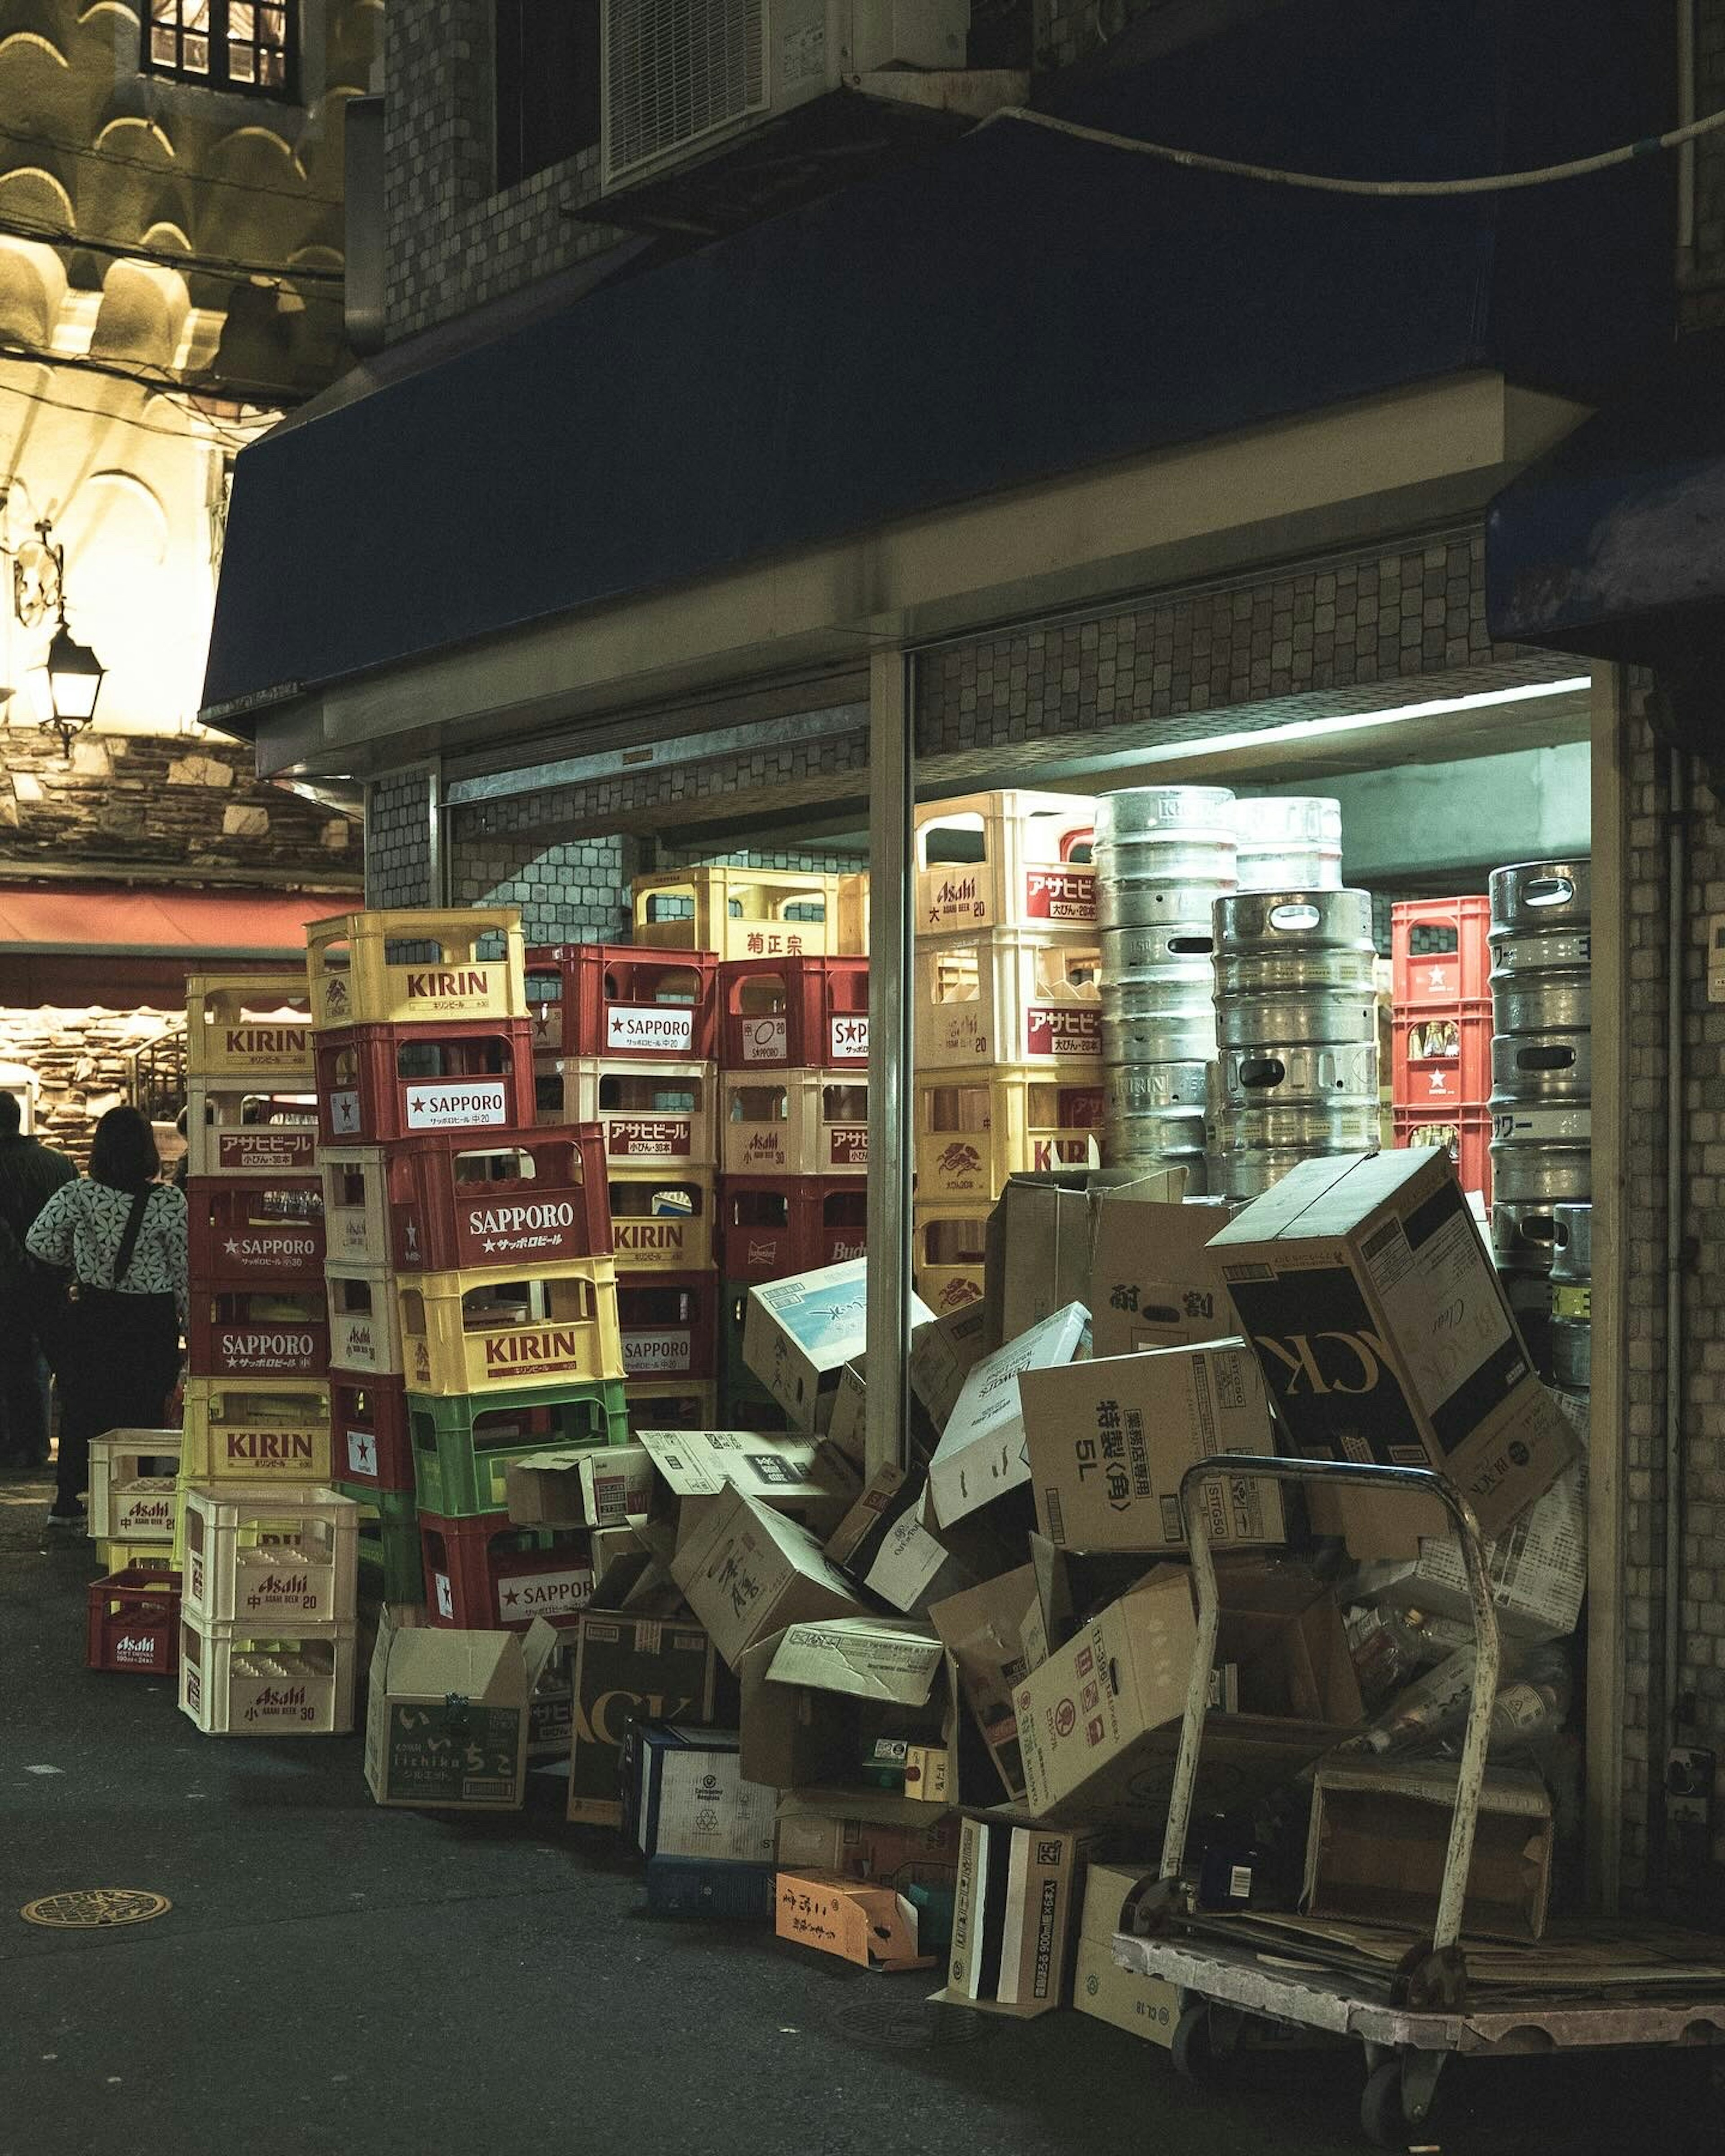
30	1173
122	1235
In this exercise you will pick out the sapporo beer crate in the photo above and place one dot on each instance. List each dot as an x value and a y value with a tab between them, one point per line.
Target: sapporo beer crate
371	1448
462	1448
242	1230
1010	996
1010	859
1438	953
132	1474
948	1244
246	1430
242	1681
376	1084
265	1131
132	1621
259	1331
975	1129
1442	1057
472	1332
484	1575
392	1561
622	1003
737	912
794	1123
662	1222
671	1403
669	1324
278	1557
365	1321
811	1012
249	1026
772	1226
373	968
646	1112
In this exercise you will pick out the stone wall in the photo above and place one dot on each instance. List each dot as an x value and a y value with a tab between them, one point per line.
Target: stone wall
87	1061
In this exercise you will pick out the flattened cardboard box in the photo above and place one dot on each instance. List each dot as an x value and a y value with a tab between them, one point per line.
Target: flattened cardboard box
1014	1914
629	1668
1383	1336
873	1926
1152	1281
749	1572
447	1718
1146	2006
981	1454
995	1634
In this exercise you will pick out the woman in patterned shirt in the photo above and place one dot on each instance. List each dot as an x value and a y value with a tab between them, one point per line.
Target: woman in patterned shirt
122	1236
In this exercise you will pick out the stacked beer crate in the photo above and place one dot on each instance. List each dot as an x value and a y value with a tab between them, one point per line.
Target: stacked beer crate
1007	1016
623	1039
1440	1018
473	1303
263	1544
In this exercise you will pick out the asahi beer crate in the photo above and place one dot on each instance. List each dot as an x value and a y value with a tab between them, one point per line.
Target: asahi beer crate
485	1575
1009	860
279	1558
242	1681
772	1226
249	1026
534	1195
669	1324
251	1429
365	1321
379	1083
976	1128
671	1403
794	1123
622	1003
738	913
356	1203
475	1332
265	1131
371	1450
259	1332
462	1448
243	1231
947	1254
411	968
1011	996
132	1474
662	1222
811	1011
649	1114
133	1621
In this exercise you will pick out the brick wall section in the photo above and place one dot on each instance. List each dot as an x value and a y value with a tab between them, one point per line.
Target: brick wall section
399	840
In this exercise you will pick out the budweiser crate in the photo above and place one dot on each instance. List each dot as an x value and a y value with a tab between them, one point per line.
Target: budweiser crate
254	1429
615	1001
133	1621
472	1332
646	1112
132	1474
249	1026
853	903
947	1243
669	1324
671	1403
1439	953
483	1575
379	1083
737	912
371	1450
770	1227
1464	1133
808	1012
243	1231
1442	1059
373	968
236	1130
662	1222
239	1681
365	1320
462	1447
279	1558
391	1561
1010	859
975	1129
794	1123
257	1331
1005	995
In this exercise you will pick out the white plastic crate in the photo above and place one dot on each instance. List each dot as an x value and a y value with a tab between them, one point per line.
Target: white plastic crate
356	1203
795	1123
239	1681
1035	870
264	1129
125	1504
738	913
280	1559
365	1320
1005	995
650	1114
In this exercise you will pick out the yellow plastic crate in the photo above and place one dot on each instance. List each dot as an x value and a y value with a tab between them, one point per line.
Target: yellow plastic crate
947	1245
467	1332
663	1221
1028	862
794	1123
127	1506
854	915
975	1129
238	1681
240	1429
248	1026
281	1558
740	913
354	980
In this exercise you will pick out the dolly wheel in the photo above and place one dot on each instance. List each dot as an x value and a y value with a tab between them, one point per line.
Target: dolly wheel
1193	2050
1382	2110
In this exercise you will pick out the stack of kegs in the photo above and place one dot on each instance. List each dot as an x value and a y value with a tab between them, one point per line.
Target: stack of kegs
1288	842
1572	1291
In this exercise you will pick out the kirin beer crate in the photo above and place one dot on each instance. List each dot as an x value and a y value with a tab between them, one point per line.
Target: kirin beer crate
259	1332
278	1558
771	1227
241	1680
794	1123
669	1324
484	1575
975	1129
622	1003
647	1113
262	1132
783	1012
379	1083
1010	859
947	1254
373	968
662	1222
462	1448
132	1474
371	1450
1006	995
243	1232
133	1621
365	1321
254	1429
248	1027
737	912
471	1332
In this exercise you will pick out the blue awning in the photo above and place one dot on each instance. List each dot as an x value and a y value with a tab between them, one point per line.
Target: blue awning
1016	306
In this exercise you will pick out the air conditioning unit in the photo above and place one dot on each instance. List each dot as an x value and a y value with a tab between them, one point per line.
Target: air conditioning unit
682	77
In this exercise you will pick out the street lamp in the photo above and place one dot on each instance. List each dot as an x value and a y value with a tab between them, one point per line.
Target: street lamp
65	688
75	681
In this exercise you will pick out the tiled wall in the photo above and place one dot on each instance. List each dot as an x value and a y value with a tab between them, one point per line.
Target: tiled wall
398	857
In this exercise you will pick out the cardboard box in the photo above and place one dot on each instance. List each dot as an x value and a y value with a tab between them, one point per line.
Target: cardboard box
551	1712
629	1668
1036	1258
447	1718
884	1544
1019	1883
846	1427
748	1572
995	1634
824	1834
1099	1722
1108	1442
1380	1830
873	1926
981	1454
1146	2006
1383	1336
589	1485
799	1475
799	1333
1152	1281
686	1796
943	1352
815	1697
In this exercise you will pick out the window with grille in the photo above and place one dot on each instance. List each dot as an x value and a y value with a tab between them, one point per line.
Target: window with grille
547	84
250	46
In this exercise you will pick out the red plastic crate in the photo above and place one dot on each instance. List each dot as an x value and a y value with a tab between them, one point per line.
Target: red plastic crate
484	1575
1438	951
670	1323
235	1334
379	1083
1465	1133
615	999
771	1227
446	1215
134	1621
242	1232
805	1013
1443	1058
371	1446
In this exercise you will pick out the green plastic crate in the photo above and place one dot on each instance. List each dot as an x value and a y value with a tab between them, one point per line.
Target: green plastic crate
389	1540
744	1402
459	1470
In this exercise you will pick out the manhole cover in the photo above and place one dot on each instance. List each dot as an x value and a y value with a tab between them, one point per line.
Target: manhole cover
95	1909
909	2024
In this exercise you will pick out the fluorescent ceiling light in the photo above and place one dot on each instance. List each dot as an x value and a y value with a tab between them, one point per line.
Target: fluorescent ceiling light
1356	721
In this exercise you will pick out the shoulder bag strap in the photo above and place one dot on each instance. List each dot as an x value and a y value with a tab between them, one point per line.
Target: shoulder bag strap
129	1240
